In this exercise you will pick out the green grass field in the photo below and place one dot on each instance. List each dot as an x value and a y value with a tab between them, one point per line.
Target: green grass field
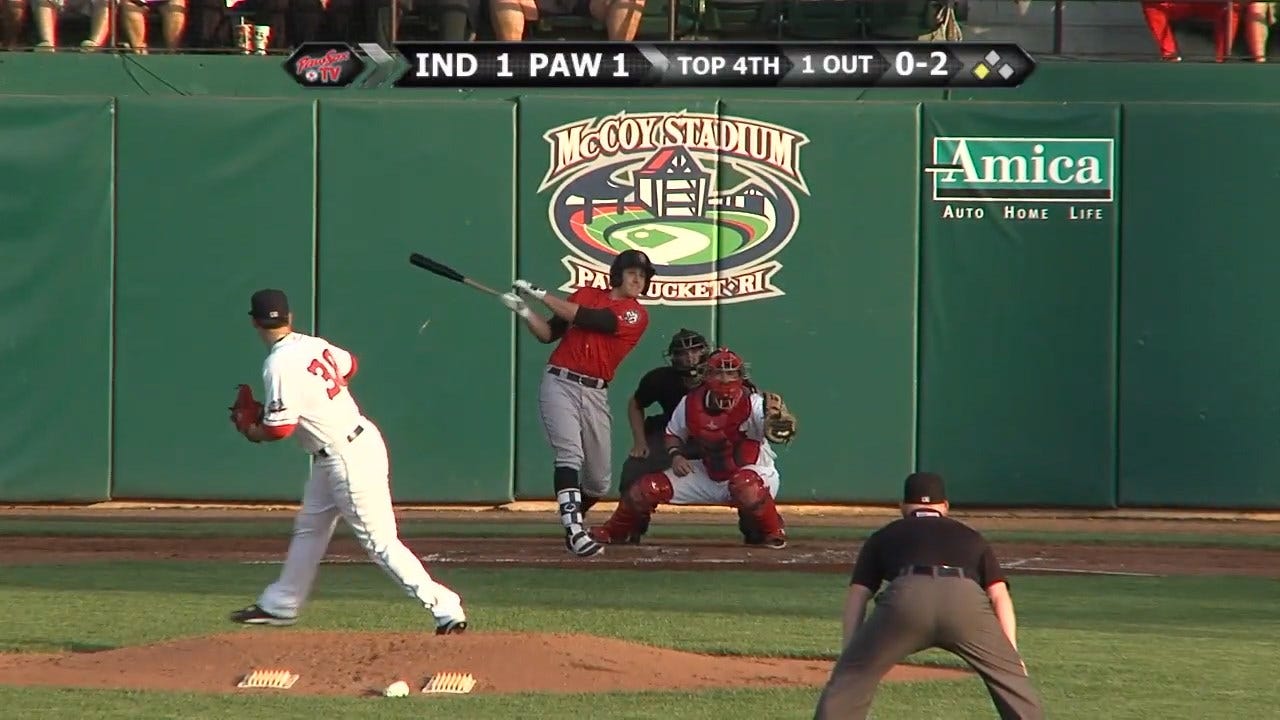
1098	647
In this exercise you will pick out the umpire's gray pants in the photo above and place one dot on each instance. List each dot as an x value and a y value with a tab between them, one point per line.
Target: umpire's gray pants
916	612
576	421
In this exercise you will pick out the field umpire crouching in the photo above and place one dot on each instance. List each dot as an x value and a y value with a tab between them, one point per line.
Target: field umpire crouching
946	590
595	329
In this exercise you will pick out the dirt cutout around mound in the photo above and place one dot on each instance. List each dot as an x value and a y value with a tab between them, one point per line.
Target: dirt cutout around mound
364	664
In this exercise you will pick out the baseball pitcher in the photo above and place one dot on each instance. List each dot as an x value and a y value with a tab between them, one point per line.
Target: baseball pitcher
308	398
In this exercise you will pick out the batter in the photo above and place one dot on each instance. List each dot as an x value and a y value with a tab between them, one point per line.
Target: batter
596	330
308	398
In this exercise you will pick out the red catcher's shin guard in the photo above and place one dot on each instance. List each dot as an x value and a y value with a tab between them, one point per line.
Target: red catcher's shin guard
748	491
636	506
768	519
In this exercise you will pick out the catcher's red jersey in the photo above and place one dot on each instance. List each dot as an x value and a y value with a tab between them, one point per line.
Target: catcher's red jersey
726	440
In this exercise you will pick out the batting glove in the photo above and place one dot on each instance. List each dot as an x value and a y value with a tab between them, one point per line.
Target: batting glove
528	289
516	304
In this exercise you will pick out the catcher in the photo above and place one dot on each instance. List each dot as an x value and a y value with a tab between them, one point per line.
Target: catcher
732	425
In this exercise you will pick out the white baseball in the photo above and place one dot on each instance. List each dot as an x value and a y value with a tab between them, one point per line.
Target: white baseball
398	688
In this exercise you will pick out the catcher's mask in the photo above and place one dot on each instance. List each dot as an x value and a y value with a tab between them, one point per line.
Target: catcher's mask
688	354
726	378
631	259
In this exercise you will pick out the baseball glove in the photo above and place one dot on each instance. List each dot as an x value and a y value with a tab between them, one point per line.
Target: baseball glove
779	421
246	411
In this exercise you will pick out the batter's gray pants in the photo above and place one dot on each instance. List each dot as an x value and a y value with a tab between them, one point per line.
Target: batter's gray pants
577	424
915	612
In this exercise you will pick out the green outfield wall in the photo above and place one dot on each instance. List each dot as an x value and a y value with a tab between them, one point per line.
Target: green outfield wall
1058	295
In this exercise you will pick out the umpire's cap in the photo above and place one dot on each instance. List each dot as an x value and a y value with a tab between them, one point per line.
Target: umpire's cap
924	488
631	259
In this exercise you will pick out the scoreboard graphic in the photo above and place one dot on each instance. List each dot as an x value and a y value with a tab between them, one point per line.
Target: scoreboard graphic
661	64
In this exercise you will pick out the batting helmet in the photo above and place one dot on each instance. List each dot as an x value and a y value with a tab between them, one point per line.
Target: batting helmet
683	342
630	259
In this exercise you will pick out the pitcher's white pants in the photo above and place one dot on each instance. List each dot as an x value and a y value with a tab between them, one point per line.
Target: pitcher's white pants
354	485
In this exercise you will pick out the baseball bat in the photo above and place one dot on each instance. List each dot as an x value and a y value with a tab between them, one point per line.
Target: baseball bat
445	271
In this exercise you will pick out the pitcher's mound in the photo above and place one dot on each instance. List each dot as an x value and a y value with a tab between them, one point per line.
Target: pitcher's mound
362	664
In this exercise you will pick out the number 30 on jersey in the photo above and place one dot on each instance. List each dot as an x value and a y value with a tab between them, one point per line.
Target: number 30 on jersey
328	371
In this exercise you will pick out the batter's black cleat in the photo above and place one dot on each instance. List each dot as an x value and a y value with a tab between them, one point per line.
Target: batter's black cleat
452	627
581	543
254	615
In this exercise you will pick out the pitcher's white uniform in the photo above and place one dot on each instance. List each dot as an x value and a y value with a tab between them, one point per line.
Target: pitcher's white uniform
307	397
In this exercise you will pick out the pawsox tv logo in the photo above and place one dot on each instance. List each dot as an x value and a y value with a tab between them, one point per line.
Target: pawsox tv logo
988	169
710	198
324	65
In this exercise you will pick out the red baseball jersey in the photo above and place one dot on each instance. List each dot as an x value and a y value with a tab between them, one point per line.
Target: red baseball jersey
598	354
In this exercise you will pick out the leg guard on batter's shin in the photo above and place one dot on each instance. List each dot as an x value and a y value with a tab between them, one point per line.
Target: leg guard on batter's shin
571	503
569	497
748	493
634	508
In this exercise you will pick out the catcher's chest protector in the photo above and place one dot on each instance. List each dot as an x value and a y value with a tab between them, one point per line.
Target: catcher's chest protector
719	438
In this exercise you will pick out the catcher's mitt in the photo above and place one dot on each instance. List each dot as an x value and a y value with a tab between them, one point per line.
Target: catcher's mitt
246	411
779	422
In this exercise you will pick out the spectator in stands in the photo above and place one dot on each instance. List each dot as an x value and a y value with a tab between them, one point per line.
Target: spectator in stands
621	18
1161	16
12	15
213	23
928	21
289	22
133	16
458	20
1256	19
318	20
45	14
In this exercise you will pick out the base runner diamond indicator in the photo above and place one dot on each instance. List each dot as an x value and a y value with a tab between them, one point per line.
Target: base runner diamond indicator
1004	65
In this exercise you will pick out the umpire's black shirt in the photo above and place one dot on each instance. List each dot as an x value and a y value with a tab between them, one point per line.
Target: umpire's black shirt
926	537
662	385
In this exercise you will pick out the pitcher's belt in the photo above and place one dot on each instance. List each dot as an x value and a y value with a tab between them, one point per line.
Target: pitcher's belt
325	452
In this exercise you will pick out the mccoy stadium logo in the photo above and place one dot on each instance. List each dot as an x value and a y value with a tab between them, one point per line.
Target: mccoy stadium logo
710	198
1077	170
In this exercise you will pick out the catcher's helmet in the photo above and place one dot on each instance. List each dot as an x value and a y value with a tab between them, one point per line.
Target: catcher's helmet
684	343
630	259
726	378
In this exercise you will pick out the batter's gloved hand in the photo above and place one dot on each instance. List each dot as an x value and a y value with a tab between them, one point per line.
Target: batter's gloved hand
246	411
515	304
528	289
779	422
